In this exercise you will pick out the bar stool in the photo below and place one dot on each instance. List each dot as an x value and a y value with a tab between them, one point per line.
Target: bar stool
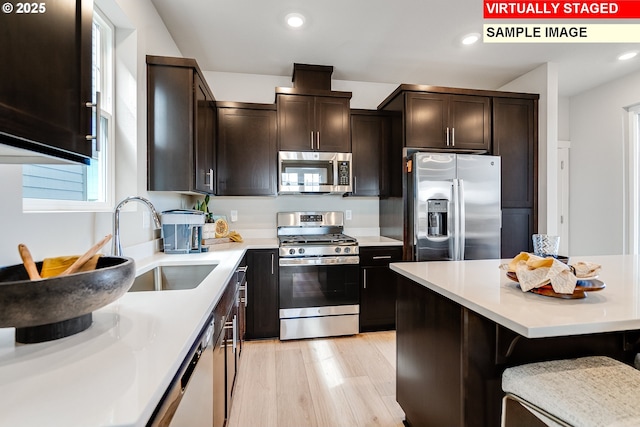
585	392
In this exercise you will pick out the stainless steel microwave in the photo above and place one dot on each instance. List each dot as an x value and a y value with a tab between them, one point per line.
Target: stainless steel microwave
314	172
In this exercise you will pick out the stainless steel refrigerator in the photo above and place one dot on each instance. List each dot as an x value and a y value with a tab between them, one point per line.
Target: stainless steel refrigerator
454	201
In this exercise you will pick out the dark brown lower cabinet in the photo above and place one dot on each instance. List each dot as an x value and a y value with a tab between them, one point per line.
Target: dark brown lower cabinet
378	288
262	294
450	359
225	351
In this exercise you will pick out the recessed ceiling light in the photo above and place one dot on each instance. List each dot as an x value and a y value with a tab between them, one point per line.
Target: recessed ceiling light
470	38
628	55
294	20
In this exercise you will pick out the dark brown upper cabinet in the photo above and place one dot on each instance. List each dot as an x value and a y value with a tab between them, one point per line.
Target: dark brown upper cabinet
247	149
448	121
313	122
370	135
442	118
46	79
181	127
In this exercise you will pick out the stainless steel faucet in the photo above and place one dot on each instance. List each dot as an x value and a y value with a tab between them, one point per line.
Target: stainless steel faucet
117	248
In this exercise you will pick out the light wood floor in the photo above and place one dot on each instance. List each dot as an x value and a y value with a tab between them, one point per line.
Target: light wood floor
333	382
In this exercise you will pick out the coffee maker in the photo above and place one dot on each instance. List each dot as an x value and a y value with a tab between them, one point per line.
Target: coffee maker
182	231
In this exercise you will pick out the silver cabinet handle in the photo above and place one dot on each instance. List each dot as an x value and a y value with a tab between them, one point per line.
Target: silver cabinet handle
97	107
312	140
382	257
272	259
453	137
245	300
235	332
364	276
211	176
318	139
447	136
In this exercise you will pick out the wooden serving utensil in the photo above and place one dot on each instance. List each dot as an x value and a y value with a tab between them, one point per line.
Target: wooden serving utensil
29	265
86	256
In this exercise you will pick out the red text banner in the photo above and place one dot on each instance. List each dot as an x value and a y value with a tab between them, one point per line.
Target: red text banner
621	9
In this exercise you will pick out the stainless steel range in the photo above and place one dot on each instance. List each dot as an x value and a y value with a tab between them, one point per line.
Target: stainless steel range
319	276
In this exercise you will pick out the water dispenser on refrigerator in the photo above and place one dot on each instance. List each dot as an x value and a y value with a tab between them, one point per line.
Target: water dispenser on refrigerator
437	210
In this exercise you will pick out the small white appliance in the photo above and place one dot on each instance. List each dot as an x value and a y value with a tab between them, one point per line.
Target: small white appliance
182	231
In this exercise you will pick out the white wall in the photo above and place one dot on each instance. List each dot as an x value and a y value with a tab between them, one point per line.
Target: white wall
141	31
598	164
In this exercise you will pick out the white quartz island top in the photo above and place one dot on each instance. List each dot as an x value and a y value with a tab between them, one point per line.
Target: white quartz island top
483	288
115	372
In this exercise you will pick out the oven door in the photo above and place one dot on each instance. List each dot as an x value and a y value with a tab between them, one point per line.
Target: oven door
319	282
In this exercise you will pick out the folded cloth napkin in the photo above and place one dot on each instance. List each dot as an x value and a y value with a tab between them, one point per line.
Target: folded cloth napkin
54	266
534	271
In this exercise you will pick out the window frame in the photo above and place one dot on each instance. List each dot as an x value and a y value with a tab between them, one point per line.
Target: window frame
108	149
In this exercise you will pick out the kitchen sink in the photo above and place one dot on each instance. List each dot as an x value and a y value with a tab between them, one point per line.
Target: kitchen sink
172	277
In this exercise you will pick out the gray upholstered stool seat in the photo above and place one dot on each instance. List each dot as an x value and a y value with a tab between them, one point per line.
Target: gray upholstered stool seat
584	392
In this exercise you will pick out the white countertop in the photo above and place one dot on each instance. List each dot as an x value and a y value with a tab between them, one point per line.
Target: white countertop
115	372
377	241
482	287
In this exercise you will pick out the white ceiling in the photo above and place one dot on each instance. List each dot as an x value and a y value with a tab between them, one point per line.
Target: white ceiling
402	41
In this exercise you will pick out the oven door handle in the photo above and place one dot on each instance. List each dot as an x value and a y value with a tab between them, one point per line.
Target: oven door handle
325	260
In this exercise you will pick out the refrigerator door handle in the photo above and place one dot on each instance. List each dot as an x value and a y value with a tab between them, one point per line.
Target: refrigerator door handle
456	221
461	218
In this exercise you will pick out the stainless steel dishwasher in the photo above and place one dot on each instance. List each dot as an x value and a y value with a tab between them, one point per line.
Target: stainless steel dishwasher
188	401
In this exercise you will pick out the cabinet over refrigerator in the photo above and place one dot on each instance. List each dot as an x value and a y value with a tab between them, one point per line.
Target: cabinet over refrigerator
454	206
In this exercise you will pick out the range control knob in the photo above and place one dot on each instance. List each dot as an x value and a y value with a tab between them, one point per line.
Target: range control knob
292	251
337	250
347	250
301	251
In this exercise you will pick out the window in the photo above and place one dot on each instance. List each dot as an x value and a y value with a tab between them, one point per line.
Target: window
54	187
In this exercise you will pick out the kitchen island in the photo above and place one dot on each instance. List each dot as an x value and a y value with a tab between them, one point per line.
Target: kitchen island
460	324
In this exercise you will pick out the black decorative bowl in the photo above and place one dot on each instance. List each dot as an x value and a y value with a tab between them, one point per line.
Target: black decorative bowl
57	307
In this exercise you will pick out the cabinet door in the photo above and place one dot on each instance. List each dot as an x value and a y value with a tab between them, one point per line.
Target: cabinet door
296	119
378	288
170	99
469	122
377	299
515	141
426	116
205	141
332	124
219	386
46	78
448	121
262	294
369	138
246	152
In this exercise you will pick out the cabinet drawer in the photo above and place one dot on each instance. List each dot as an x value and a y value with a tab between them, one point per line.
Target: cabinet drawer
224	305
380	255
